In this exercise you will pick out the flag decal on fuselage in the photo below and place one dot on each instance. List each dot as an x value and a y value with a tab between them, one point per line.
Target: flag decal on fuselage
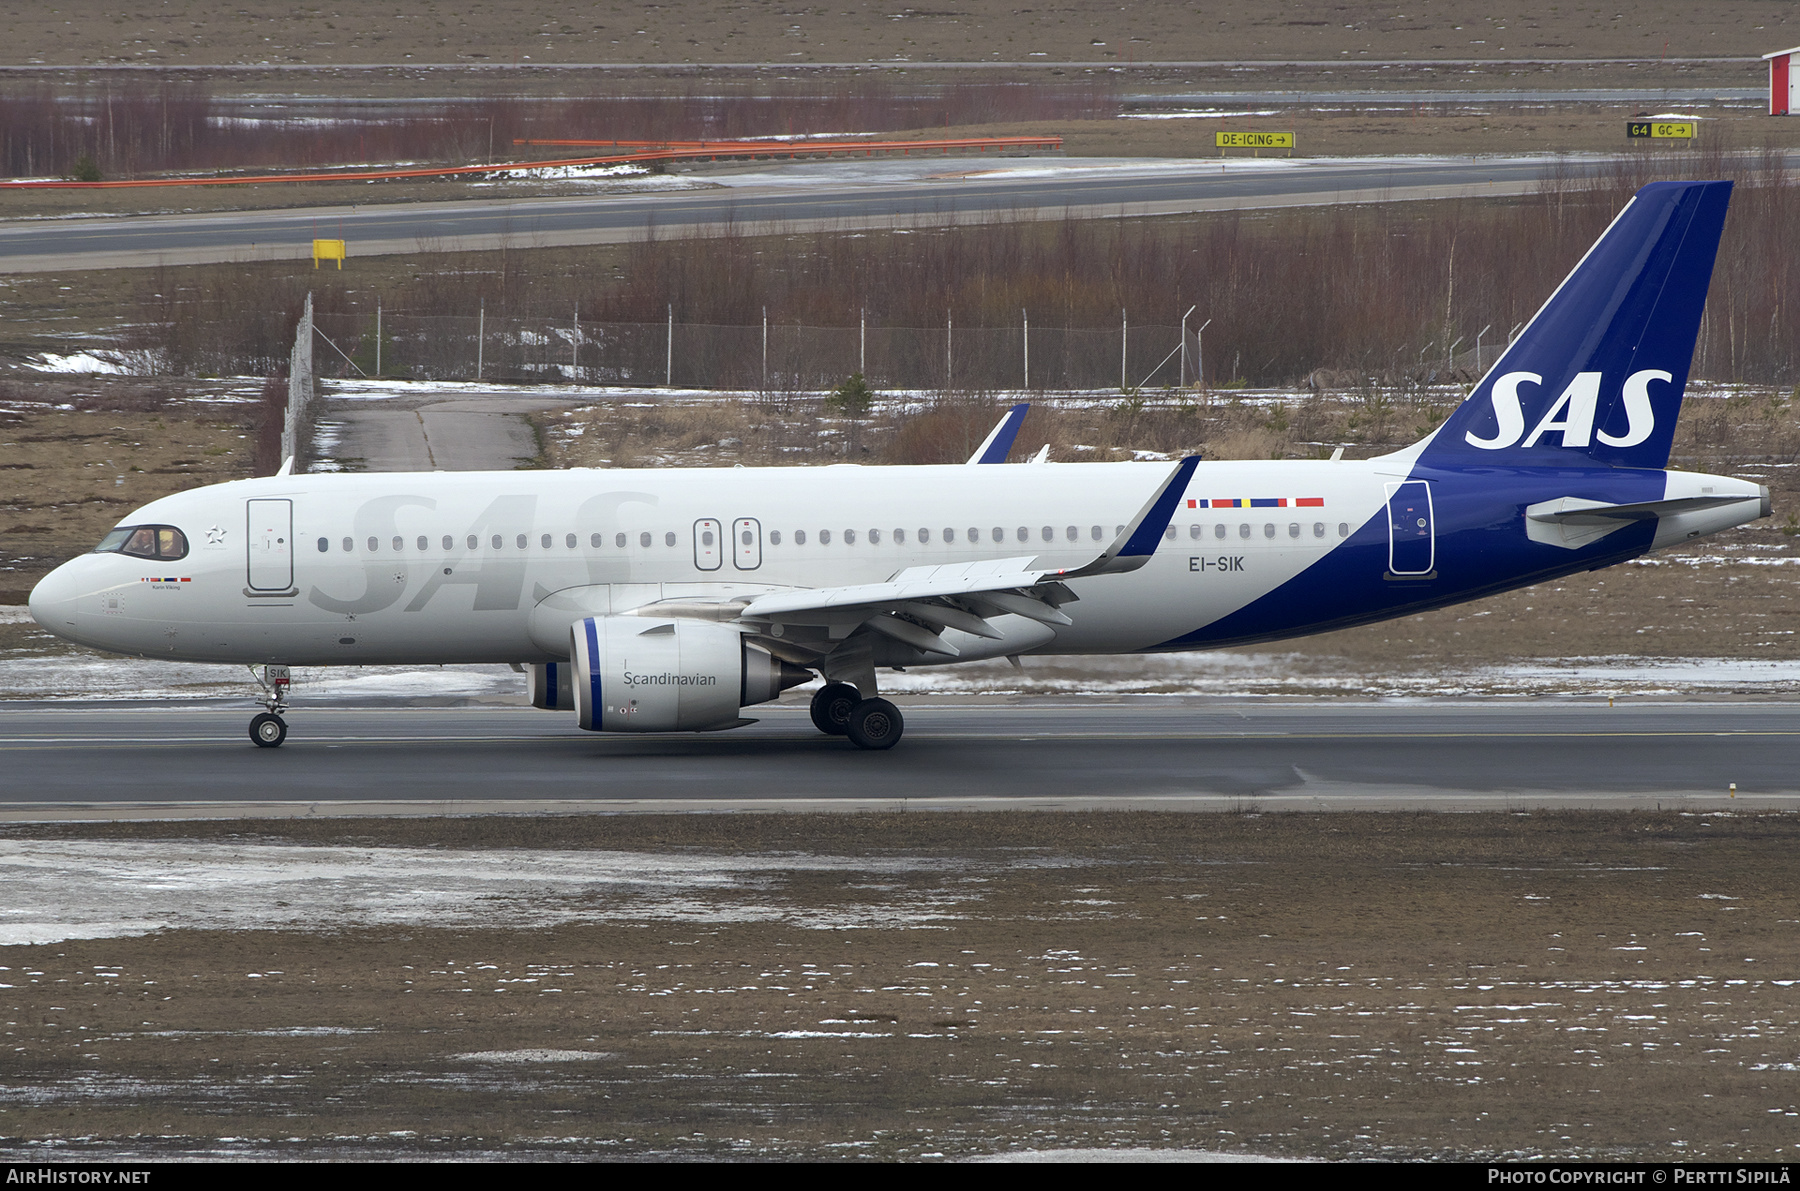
1259	502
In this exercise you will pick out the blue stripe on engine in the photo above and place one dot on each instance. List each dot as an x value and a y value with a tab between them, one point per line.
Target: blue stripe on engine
593	641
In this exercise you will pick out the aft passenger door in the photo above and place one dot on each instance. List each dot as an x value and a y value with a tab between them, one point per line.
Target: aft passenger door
1412	542
270	544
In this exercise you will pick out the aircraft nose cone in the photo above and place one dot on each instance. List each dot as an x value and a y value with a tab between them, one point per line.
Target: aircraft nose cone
53	600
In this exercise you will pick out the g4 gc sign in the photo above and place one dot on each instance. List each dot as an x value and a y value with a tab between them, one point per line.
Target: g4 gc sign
1660	129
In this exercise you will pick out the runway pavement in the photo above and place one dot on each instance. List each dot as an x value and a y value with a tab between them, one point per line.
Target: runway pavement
798	197
86	762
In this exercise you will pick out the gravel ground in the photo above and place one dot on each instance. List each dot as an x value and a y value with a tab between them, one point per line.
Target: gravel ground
956	985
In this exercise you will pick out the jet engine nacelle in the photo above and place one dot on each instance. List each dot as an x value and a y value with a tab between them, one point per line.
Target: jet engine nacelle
551	685
645	674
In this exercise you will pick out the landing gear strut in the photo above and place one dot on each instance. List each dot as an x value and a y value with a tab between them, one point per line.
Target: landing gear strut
838	709
268	729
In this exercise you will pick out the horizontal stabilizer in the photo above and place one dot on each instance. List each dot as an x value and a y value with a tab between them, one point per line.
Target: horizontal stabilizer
1572	508
1573	522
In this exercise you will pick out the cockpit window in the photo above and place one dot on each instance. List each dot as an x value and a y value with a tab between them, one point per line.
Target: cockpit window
145	541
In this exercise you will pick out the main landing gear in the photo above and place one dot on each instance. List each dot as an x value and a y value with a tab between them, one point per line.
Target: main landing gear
838	709
268	729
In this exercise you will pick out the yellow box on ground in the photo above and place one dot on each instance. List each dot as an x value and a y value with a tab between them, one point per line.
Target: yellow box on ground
1254	140
1660	129
328	250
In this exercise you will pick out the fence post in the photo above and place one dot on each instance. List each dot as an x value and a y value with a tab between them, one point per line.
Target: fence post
862	341
377	336
1200	354
1124	331
480	335
669	352
575	346
765	384
1184	318
949	357
1026	315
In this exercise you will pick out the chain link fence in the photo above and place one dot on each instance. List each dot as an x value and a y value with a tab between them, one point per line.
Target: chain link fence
778	357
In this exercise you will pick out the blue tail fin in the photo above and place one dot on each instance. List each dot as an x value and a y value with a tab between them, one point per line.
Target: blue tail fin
1598	375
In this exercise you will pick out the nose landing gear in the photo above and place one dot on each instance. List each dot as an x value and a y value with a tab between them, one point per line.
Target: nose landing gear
268	729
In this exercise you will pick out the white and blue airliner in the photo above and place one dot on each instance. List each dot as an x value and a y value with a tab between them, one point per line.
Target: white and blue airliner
670	600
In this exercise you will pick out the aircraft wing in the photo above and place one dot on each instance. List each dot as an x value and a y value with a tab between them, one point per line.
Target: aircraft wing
918	603
998	444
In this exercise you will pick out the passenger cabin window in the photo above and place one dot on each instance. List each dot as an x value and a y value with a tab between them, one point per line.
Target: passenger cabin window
594	541
644	539
349	545
774	537
374	545
324	545
849	537
799	537
449	542
474	542
669	538
499	541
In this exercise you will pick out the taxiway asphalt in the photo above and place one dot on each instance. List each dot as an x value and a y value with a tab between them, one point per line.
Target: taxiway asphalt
782	197
86	761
